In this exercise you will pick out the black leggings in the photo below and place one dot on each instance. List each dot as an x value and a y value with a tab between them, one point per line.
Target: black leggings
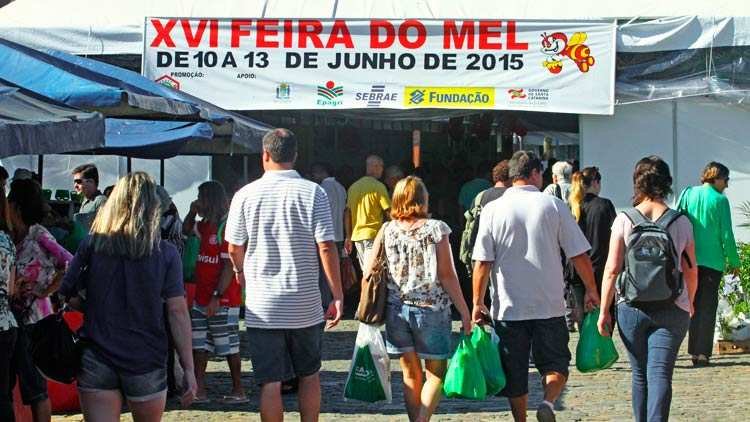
7	346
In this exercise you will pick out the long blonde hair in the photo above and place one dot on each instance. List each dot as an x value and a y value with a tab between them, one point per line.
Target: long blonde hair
580	182
128	223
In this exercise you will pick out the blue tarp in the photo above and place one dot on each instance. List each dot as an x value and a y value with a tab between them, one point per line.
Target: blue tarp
150	138
32	124
96	86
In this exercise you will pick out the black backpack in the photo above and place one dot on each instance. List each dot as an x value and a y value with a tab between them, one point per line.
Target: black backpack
650	276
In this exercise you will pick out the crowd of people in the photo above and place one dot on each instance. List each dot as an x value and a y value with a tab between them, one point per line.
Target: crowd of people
152	285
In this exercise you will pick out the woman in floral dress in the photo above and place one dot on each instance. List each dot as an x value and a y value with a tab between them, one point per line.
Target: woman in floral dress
40	264
8	325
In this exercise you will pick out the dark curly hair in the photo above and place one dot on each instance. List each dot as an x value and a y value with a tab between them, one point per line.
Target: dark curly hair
651	179
26	196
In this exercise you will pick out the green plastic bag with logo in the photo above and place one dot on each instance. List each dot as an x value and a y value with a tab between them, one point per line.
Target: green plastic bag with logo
190	257
465	378
488	353
594	351
369	377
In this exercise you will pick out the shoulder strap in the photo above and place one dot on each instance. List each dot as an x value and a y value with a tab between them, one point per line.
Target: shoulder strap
669	217
558	191
635	216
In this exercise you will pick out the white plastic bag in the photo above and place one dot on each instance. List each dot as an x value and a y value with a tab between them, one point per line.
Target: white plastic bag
362	383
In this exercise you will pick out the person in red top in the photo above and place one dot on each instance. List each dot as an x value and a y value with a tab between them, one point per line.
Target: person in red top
218	295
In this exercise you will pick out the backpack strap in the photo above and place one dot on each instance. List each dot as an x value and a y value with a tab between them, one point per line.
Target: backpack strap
635	216
669	217
558	191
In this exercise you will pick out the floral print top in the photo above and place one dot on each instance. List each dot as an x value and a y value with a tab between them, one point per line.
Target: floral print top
412	265
39	256
7	260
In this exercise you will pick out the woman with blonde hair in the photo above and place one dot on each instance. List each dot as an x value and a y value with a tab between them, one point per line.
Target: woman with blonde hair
422	284
594	215
126	272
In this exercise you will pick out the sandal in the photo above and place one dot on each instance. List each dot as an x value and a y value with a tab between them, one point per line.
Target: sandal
201	400
234	400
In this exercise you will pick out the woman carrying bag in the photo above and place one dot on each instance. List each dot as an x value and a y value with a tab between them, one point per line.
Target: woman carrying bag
422	285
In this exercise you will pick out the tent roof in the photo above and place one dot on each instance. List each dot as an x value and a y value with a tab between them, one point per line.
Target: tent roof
107	27
151	139
97	86
32	124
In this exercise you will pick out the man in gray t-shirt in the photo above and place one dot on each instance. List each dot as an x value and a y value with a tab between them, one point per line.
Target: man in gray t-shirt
86	183
519	241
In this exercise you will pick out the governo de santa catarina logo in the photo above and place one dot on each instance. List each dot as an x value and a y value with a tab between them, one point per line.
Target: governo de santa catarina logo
330	94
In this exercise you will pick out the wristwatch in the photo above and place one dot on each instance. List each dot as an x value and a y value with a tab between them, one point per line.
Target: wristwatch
236	271
216	293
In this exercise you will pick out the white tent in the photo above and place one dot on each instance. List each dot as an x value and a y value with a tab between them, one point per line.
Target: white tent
116	27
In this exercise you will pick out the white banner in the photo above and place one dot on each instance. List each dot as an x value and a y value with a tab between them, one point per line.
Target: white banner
251	64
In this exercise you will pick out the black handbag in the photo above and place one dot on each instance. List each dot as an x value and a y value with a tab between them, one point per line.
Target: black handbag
55	348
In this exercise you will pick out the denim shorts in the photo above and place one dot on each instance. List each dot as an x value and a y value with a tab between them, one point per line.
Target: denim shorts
97	375
422	330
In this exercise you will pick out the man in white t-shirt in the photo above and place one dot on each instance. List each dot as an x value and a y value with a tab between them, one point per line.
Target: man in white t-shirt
519	241
277	228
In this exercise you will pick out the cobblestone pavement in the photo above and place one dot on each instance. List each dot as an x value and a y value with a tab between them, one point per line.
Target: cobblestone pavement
717	393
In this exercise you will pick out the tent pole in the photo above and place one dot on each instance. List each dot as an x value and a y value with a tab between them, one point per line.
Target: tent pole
161	172
245	175
130	165
40	168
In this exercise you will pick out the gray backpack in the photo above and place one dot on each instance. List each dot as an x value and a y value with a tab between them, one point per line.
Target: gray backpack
650	276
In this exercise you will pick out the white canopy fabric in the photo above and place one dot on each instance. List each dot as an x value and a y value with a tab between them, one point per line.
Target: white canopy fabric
110	27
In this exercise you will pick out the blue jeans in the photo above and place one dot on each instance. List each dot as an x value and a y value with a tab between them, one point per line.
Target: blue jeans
652	338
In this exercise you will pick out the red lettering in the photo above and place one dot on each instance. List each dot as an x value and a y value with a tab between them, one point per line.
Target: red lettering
450	33
390	34
288	34
403	33
310	29
267	28
213	33
486	35
193	39
512	44
340	35
163	33
238	30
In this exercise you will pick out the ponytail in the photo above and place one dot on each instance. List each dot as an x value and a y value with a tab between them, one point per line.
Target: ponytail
577	192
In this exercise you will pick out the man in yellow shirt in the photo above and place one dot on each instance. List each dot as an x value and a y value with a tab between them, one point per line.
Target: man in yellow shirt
366	206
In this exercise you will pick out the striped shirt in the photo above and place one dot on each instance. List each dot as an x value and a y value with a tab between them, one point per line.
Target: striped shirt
281	217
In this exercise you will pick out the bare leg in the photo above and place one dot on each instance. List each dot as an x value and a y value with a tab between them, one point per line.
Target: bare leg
42	411
104	406
413	380
518	406
200	360
271	407
309	397
148	411
235	369
553	384
432	391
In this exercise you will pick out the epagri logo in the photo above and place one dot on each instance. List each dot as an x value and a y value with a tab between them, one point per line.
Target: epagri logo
449	97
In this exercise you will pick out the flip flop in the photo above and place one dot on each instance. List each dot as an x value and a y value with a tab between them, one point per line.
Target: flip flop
234	400
201	400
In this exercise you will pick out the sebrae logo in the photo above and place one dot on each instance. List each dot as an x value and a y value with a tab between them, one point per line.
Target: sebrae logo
169	82
449	97
330	94
557	47
376	96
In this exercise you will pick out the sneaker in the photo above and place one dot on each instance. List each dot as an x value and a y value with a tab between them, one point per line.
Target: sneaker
544	413
700	361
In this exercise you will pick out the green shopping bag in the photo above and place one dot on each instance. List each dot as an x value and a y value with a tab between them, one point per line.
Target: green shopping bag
488	354
190	257
369	375
71	241
465	378
594	351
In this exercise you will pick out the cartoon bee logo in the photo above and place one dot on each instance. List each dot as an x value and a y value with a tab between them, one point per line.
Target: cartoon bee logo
557	46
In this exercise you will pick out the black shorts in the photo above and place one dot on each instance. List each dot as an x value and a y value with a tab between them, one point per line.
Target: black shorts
282	354
33	386
547	339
